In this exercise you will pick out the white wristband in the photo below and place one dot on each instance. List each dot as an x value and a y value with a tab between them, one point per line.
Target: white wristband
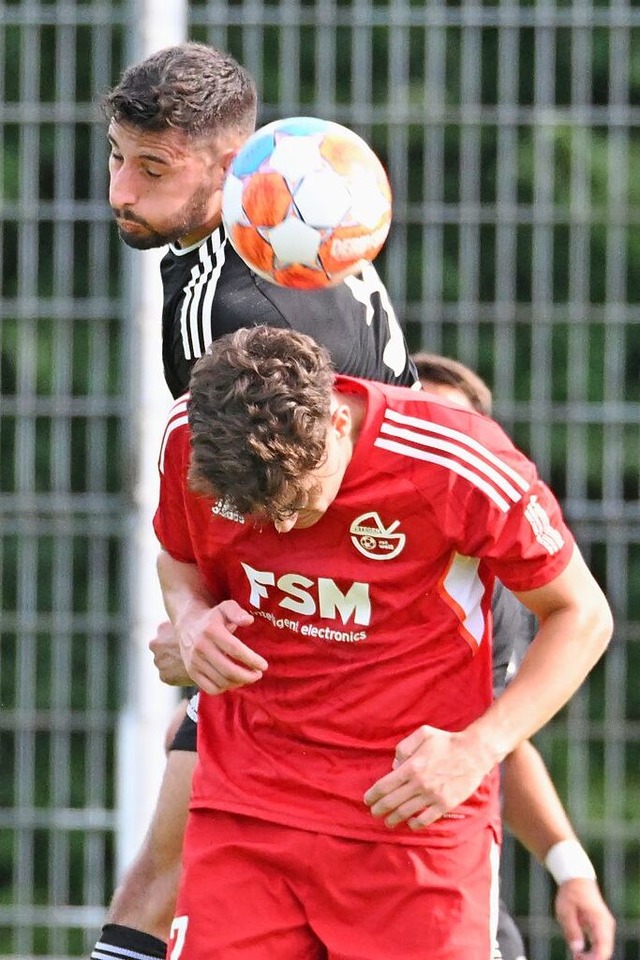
567	860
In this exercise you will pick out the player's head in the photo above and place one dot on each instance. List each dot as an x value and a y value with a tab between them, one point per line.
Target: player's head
454	381
175	122
190	87
268	432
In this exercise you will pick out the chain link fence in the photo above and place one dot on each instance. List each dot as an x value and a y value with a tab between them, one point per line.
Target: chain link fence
510	132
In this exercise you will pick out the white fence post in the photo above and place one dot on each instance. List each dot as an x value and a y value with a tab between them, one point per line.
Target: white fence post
150	703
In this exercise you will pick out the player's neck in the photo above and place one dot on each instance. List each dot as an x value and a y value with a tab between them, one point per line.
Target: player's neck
197	235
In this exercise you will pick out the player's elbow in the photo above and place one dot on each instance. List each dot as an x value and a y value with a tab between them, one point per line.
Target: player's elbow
598	623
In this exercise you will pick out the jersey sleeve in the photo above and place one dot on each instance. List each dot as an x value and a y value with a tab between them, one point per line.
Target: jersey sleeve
170	521
501	511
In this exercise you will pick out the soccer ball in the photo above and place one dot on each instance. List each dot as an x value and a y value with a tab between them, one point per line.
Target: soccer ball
306	202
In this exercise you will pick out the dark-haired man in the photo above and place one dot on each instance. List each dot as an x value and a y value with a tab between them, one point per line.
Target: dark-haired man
176	119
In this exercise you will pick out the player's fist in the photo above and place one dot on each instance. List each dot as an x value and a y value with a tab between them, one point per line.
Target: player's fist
167	657
216	659
433	771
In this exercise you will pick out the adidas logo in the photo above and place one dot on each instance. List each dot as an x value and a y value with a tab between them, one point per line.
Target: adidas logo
224	508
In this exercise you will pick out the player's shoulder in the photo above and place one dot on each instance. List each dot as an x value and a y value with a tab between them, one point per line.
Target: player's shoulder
424	431
360	296
418	402
418	409
176	430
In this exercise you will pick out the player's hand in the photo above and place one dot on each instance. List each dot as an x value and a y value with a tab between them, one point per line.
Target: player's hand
433	771
585	918
216	659
167	657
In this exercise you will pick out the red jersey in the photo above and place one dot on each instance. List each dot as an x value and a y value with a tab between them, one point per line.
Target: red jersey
374	621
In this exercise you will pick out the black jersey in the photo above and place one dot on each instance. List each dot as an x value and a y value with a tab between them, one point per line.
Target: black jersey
513	631
210	291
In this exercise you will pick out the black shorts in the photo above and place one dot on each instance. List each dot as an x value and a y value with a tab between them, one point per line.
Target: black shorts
509	939
185	738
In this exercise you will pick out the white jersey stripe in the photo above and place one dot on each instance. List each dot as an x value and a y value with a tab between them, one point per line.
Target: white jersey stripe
429	426
494	902
453	465
177	418
209	293
184	313
199	288
457	451
463	591
105	951
196	313
546	535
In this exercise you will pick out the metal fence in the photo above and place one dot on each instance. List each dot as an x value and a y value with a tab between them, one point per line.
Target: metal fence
510	132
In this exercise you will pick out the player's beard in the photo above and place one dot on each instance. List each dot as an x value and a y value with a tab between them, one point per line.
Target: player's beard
189	219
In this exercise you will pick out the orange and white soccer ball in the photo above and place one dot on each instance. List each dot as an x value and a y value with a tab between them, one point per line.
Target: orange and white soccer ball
305	202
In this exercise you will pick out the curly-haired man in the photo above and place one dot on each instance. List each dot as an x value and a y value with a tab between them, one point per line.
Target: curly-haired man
329	551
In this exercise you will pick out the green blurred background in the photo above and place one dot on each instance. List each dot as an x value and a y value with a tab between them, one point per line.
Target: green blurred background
510	133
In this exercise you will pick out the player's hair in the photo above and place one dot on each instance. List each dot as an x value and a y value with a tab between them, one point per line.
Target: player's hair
190	87
432	368
259	410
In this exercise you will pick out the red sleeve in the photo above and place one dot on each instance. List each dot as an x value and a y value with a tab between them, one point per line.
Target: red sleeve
171	521
511	520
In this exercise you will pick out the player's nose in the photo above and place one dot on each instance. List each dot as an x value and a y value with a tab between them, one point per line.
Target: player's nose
284	524
122	188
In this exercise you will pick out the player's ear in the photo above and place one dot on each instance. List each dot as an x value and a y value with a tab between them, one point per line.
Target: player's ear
341	419
225	157
220	154
228	145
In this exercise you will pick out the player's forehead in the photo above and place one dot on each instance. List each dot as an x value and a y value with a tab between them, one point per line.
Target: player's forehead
169	145
448	392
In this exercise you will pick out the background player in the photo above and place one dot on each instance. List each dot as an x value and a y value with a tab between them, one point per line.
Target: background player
531	806
308	723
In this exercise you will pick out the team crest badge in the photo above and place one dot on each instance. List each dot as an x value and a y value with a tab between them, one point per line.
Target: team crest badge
375	541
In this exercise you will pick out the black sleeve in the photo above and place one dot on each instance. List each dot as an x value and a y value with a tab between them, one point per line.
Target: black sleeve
513	630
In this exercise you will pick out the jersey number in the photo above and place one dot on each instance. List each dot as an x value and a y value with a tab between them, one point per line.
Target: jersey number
179	929
363	288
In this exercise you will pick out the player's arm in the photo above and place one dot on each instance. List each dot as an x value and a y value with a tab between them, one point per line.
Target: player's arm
435	770
535	814
532	808
215	658
575	626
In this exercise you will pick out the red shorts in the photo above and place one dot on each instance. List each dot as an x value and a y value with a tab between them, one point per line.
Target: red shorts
253	890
